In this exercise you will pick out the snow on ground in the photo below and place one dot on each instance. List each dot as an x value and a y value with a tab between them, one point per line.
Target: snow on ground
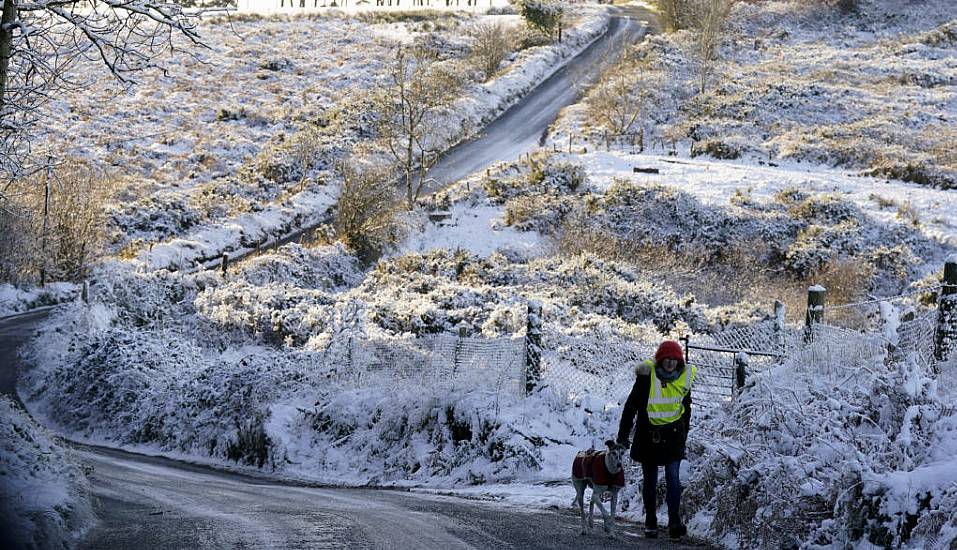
717	182
480	105
260	368
874	91
17	300
44	499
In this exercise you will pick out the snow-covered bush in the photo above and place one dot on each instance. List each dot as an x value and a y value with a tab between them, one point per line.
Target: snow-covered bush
826	452
276	313
44	497
329	268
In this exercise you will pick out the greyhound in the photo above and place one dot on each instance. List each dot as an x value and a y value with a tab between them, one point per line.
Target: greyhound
602	472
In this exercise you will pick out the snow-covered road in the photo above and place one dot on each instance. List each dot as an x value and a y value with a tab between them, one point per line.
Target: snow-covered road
146	501
521	128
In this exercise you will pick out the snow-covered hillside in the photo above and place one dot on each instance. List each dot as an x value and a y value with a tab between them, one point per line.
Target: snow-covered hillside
301	362
872	90
237	142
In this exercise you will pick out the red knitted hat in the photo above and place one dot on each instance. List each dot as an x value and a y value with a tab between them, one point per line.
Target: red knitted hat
669	349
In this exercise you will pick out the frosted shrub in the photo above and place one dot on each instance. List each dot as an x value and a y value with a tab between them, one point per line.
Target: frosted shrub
277	313
327	268
824	456
141	299
542	213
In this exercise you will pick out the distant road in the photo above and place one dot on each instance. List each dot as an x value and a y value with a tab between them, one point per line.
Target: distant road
521	128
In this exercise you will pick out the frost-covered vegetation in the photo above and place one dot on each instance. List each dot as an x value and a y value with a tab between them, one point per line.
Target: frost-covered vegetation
273	119
278	364
815	454
44	498
872	89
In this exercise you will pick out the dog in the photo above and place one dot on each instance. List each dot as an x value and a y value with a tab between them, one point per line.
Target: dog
602	471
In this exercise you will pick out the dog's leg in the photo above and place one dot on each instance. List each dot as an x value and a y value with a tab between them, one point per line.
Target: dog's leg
613	507
580	497
596	499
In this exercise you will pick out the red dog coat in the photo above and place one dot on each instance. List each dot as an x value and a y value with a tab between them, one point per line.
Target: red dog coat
591	465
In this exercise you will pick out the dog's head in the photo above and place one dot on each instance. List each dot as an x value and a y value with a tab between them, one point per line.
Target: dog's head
615	454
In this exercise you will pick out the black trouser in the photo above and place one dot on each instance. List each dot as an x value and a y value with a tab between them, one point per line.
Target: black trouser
649	492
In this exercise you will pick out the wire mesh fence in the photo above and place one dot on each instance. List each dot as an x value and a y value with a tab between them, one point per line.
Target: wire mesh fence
603	365
435	363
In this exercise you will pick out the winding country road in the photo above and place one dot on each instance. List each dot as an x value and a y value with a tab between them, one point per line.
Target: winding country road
144	501
522	127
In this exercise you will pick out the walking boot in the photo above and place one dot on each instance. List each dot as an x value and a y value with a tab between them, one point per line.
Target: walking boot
676	531
651	529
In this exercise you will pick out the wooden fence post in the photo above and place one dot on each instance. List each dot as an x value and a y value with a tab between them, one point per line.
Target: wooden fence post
815	310
741	362
533	346
85	293
780	312
945	337
225	262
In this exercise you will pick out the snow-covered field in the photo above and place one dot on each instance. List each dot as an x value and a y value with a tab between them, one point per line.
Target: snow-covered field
236	143
272	366
44	498
872	91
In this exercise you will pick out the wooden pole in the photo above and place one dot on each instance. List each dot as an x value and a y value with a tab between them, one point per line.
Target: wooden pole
816	296
225	262
780	313
945	337
533	346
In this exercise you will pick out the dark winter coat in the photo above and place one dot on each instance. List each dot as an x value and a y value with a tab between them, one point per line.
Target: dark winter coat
658	445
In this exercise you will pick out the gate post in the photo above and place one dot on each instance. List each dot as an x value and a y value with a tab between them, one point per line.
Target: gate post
945	338
533	346
741	362
815	310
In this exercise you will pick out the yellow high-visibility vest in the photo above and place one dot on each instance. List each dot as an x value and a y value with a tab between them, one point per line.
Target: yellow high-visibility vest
665	402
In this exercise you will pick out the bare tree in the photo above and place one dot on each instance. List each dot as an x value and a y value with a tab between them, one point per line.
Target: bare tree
368	209
674	14
42	40
53	223
410	105
491	44
616	102
709	17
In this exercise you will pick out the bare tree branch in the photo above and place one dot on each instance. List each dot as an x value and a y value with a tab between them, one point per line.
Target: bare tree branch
42	40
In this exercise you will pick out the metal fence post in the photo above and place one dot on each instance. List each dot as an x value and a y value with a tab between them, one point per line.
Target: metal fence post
945	337
533	346
815	310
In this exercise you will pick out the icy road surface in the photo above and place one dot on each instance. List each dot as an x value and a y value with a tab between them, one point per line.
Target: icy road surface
154	502
521	128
